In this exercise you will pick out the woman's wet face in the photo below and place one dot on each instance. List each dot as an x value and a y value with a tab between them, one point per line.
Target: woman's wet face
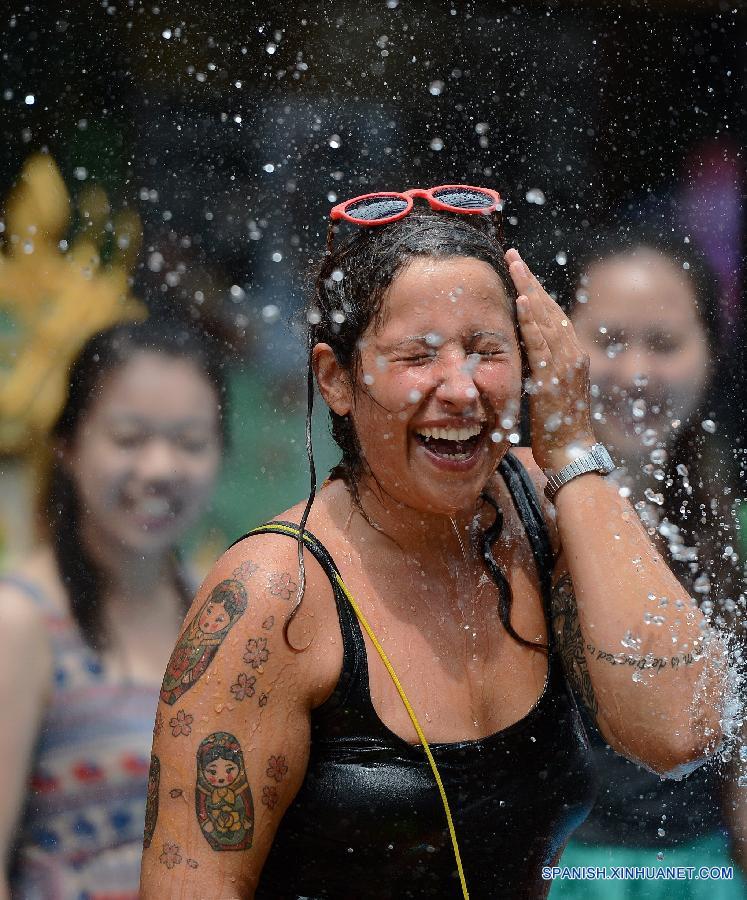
146	453
438	373
649	350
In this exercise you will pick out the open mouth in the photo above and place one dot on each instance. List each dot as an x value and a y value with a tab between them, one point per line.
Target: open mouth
154	511
453	444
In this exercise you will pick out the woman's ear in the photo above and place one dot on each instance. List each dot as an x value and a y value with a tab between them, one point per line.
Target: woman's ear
333	380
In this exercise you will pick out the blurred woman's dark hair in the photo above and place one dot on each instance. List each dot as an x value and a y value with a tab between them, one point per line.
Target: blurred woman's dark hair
698	509
102	355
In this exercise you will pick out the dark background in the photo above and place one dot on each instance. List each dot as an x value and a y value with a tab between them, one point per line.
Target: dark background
232	128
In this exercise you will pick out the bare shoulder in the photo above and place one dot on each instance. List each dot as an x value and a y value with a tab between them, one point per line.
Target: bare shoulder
242	609
23	637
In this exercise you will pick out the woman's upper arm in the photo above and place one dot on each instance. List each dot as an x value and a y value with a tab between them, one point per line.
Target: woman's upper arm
231	740
25	680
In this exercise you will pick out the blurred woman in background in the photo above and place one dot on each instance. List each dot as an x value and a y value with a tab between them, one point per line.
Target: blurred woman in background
644	307
88	619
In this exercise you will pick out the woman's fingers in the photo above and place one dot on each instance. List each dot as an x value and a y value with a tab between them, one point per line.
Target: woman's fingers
537	349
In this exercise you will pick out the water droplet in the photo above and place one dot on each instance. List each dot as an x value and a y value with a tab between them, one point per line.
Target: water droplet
496	437
277	256
368	379
660	832
708	425
268	167
742	781
436	144
338	316
436	87
638	408
653	497
649	437
553	422
270	313
536	196
561	257
335	142
29	99
660	855
414	396
166	34
271	48
658	456
514	438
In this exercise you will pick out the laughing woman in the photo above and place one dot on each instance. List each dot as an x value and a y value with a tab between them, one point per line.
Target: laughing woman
84	621
393	718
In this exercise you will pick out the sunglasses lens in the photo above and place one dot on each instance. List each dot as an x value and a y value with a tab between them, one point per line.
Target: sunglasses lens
378	207
464	198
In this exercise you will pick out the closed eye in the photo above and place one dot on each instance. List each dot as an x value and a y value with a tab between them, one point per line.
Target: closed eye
419	359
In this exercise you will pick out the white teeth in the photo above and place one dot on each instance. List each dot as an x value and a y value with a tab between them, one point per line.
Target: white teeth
451	434
153	506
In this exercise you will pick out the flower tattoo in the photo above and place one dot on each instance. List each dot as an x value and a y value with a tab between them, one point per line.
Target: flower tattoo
268	623
276	768
256	652
245	570
171	855
158	725
244	686
269	796
281	585
181	724
263	698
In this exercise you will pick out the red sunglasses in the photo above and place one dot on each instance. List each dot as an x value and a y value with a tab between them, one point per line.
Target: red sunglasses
384	207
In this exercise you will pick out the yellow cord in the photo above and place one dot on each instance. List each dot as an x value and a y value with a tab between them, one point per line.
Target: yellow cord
400	690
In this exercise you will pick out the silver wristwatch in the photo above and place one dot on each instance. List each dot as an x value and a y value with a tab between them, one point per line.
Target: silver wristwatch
596	459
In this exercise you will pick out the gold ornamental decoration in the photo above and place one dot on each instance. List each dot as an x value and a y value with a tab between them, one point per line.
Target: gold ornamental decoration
55	295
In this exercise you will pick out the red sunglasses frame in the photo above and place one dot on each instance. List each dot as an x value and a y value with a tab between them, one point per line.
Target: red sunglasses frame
339	212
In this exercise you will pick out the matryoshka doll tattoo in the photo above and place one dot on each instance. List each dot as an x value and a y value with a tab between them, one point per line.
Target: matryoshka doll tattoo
204	634
223	801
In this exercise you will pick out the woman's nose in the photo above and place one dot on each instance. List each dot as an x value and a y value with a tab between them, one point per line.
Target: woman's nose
158	460
631	367
457	380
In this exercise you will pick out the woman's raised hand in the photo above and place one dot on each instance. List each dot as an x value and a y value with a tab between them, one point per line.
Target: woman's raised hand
558	373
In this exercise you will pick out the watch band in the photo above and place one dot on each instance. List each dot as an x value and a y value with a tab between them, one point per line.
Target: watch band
597	459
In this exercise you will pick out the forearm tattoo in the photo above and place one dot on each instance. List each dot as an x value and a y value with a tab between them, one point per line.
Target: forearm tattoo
570	641
223	800
202	638
575	651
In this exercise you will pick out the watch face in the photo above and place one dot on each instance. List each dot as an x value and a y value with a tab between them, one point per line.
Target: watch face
600	454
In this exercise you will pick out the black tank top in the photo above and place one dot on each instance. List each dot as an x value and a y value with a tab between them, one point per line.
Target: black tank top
368	821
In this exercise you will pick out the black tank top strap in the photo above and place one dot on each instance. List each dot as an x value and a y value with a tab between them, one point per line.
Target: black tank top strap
527	504
354	651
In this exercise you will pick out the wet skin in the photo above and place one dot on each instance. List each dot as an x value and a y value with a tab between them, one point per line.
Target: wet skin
446	355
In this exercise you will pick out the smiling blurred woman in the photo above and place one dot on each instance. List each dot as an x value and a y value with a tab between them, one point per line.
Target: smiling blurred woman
645	306
85	620
407	730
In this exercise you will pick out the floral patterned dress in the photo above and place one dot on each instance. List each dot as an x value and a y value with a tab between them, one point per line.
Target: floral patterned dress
80	834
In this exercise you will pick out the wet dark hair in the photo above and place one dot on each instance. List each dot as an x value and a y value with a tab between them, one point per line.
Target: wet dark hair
102	355
353	281
702	516
348	297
